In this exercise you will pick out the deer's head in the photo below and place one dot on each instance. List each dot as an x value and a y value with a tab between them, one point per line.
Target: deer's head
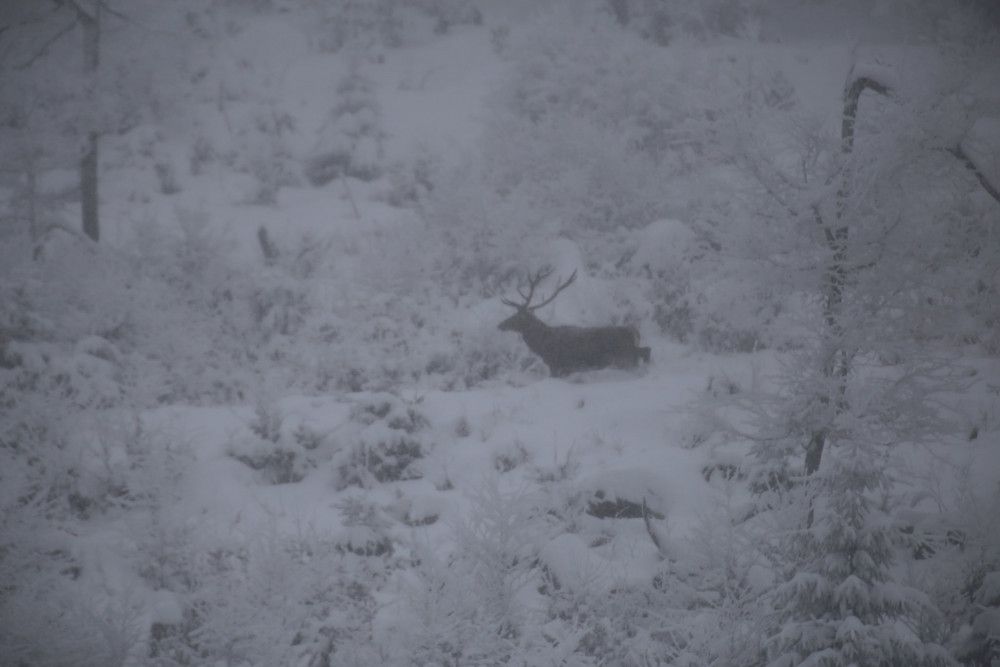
524	317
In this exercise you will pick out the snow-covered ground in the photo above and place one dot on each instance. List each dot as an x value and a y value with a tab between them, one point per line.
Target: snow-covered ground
369	472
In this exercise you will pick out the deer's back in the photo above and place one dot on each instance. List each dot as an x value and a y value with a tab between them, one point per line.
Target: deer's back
569	348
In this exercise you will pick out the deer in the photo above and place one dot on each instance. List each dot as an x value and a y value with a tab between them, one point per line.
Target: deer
566	349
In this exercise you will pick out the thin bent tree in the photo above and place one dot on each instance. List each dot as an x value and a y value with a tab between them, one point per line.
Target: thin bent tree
837	363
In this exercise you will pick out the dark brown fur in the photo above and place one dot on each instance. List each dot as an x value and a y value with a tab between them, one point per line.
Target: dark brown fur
566	349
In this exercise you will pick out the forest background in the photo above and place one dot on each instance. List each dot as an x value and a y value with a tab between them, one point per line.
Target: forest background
255	409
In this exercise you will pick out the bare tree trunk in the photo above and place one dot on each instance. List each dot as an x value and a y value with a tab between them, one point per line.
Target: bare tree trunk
621	11
31	204
88	164
837	364
88	189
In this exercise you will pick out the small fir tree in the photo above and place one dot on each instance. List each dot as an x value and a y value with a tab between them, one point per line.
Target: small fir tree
353	138
839	604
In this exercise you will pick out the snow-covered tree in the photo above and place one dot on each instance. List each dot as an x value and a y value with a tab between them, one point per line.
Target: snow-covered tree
840	604
351	141
980	642
884	244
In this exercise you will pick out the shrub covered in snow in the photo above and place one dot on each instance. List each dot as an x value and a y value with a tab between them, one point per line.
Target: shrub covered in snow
351	140
386	445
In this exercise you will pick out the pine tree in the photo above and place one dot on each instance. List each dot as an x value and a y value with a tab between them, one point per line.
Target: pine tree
839	604
353	137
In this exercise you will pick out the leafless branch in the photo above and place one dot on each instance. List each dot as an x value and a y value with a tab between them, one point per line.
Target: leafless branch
99	4
114	12
991	189
47	45
75	5
649	529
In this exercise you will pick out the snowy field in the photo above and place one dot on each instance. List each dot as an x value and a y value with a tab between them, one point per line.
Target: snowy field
269	419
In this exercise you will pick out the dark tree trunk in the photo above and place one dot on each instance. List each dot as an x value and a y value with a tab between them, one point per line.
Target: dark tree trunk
88	164
88	189
31	208
836	366
620	10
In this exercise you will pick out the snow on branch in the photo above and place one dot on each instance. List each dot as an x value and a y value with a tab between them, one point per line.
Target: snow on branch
861	79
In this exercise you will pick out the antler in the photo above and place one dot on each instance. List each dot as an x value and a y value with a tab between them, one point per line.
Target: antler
559	288
534	280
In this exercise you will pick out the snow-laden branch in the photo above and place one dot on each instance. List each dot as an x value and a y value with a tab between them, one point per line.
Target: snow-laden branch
861	82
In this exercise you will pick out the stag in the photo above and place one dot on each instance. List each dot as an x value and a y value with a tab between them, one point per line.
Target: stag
566	349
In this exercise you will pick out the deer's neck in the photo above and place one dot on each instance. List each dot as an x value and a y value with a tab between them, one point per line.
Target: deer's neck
535	334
